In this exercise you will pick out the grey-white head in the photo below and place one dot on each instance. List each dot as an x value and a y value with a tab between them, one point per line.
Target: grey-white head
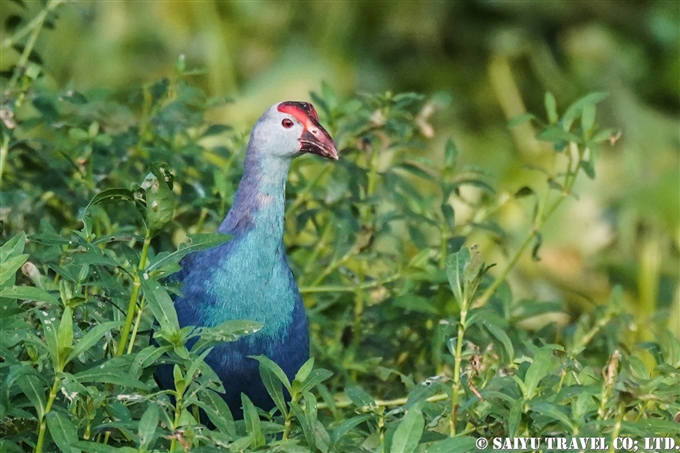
289	129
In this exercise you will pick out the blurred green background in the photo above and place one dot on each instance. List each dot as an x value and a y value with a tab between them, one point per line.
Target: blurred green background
488	60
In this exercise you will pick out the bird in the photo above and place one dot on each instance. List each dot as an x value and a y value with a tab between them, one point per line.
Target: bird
249	277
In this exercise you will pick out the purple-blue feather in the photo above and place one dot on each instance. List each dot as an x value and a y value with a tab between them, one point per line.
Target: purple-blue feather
247	278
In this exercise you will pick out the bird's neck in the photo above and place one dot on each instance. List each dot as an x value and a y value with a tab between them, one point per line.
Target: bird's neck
259	202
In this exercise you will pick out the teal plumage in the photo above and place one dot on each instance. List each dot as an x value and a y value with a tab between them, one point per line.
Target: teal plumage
249	277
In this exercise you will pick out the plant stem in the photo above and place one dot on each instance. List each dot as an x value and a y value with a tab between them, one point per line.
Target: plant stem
302	195
617	426
386	403
585	339
348	289
132	304
4	151
335	264
541	218
381	429
48	408
140	311
33	27
365	211
321	243
287	425
175	423
455	387
357	326
484	298
443	246
34	24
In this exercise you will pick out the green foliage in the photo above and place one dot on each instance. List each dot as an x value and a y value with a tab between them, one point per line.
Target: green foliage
422	345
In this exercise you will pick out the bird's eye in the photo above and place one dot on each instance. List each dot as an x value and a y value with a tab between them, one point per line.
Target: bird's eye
287	123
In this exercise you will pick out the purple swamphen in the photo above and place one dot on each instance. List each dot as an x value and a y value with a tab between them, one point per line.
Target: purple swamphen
249	277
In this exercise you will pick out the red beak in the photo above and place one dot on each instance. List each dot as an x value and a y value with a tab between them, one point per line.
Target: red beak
317	141
314	139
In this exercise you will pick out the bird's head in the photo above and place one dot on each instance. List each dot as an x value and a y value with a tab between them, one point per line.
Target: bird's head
289	129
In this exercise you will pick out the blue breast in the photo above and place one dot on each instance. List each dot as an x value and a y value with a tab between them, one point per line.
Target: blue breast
245	278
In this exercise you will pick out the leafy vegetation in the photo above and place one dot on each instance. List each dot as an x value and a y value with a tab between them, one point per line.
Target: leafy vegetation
419	340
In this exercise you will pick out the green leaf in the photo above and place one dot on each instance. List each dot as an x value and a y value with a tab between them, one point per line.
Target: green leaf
316	377
63	431
217	411
13	247
242	443
10	266
577	107
74	97
216	129
588	120
49	236
588	168
65	335
449	215
10	249
178	380
98	447
414	170
413	302
453	444
93	257
359	397
196	243
147	426
502	337
227	331
455	267
311	418
11	446
450	155
555	134
92	337
50	325
196	364
46	107
34	390
526	309
160	303
555	185
515	416
421	392
305	425
476	182
521	119
78	134
252	421
160	200
266	362
113	371
524	192
615	302
551	107
109	196
409	432
273	385
538	370
538	241
346	426
29	293
602	135
304	370
553	412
